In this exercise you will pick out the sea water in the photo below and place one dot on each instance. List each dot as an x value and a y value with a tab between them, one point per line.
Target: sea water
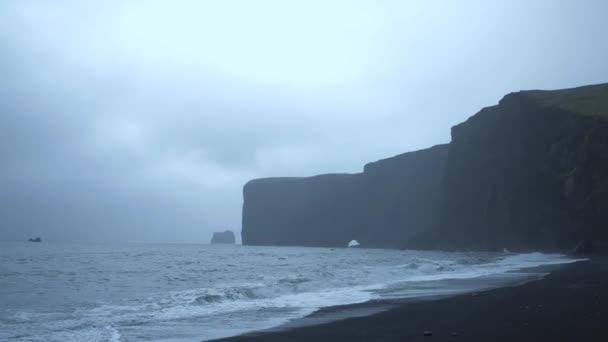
171	292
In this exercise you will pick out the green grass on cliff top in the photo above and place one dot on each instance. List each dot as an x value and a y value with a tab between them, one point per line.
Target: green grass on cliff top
588	100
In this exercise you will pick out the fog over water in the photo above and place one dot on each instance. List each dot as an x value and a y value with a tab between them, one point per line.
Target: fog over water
141	120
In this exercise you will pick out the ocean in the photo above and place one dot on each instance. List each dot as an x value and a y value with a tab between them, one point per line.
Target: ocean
189	292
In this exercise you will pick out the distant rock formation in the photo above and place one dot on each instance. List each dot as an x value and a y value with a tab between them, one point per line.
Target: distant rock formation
530	173
35	240
392	200
225	237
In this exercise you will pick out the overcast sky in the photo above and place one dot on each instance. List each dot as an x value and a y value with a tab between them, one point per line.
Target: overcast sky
141	120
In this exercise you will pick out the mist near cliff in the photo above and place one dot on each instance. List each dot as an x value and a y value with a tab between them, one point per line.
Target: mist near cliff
141	120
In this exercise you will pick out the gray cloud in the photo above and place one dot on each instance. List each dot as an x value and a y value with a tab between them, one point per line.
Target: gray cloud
125	121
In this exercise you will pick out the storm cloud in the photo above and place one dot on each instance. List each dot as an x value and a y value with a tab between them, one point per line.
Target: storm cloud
140	121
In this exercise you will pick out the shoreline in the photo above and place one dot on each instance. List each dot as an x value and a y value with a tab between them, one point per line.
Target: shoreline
566	304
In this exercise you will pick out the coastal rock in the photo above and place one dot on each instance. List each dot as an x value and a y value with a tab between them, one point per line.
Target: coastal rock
385	205
353	243
225	237
530	173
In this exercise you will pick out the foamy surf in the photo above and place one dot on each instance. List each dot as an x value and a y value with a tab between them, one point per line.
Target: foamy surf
190	293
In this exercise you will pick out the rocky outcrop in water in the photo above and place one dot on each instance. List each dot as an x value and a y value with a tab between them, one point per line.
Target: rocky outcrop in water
225	237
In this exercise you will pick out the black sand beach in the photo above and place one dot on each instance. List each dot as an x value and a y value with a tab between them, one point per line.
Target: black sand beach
570	304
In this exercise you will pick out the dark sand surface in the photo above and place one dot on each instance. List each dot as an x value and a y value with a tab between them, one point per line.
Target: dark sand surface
570	304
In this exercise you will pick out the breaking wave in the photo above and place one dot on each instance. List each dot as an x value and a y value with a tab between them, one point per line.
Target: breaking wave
180	294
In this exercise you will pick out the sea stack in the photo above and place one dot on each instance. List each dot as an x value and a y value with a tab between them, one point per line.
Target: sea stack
225	237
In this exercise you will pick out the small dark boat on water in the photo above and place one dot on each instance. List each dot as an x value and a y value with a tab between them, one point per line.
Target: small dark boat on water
35	240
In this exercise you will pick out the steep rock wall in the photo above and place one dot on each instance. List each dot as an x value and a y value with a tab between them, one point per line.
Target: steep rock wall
528	174
389	202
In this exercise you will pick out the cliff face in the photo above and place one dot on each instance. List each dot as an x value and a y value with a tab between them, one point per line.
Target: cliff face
528	174
402	197
390	201
314	211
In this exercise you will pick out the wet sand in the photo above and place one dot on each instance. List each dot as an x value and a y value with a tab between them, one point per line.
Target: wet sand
570	304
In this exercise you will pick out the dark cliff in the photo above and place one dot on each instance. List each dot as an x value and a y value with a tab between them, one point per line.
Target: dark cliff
528	174
401	197
384	206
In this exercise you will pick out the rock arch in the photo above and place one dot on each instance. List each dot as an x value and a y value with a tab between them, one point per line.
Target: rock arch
353	243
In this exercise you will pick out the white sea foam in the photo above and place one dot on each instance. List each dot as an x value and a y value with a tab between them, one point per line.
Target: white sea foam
197	292
114	334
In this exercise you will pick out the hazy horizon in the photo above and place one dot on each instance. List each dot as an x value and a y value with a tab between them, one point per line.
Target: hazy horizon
140	121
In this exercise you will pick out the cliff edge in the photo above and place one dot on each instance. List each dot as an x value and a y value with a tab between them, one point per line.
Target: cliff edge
530	173
383	206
